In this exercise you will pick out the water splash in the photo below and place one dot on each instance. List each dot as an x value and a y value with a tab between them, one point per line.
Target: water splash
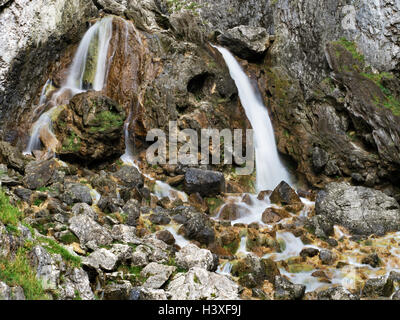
270	170
99	35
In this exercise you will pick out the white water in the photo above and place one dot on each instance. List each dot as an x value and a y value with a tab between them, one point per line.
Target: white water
101	31
270	170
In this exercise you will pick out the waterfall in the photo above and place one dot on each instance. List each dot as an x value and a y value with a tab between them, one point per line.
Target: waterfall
88	71
270	170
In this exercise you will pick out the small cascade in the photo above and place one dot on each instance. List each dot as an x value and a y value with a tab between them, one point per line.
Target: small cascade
88	71
270	170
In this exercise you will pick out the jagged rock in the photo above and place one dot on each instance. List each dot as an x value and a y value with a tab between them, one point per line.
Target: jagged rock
232	211
131	209
361	210
285	195
160	219
110	204
46	267
269	216
24	194
125	234
192	256
84	209
76	193
320	159
378	287
141	256
12	157
129	176
337	293
90	233
40	174
199	284
76	280
285	290
111	6
250	43
101	259
157	275
118	291
122	252
206	183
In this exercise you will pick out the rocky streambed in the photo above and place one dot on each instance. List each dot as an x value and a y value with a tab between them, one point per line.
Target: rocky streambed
87	234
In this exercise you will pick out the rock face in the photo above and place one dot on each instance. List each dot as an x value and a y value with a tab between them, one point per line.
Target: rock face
361	210
34	34
207	183
250	43
90	127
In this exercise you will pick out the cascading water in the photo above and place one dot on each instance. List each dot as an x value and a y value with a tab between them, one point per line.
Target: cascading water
88	71
270	170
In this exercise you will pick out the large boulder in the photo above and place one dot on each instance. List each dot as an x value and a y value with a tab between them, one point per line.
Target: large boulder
361	210
77	193
157	275
129	176
250	43
200	284
90	127
285	290
207	183
192	256
40	174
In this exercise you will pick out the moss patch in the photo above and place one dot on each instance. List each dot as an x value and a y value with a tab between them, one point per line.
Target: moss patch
9	215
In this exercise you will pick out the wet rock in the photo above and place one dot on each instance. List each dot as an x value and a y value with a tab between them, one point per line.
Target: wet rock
157	275
199	284
192	256
77	193
320	159
232	211
327	257
361	210
40	174
166	237
90	233
284	195
131	209
337	293
285	290
378	287
196	226
129	177
246	42
207	183
118	291
373	260
309	252
101	259
46	267
269	217
264	194
90	127
321	226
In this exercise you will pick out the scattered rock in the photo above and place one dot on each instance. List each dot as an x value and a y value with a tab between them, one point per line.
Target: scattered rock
337	293
378	287
284	195
232	211
125	234
285	290
129	177
166	236
327	257
76	193
157	275
309	252
131	208
192	256
373	260
101	259
118	291
46	267
40	174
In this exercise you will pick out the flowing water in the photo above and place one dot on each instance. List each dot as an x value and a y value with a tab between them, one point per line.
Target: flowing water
91	56
270	170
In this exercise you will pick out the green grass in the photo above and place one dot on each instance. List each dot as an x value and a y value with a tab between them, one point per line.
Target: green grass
54	248
107	120
352	48
72	143
18	272
9	215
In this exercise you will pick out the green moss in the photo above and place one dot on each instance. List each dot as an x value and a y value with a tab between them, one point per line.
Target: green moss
9	215
72	143
232	247
69	238
53	247
351	47
213	204
18	272
106	120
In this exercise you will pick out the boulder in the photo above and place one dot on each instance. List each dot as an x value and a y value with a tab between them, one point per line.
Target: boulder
233	211
12	157
206	183
192	256
76	280
11	293
129	177
101	259
250	43
200	284
361	210
125	234
76	193
90	127
166	237
132	210
89	232
327	257
40	174
378	287
46	267
153	294
157	275
118	291
284	195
